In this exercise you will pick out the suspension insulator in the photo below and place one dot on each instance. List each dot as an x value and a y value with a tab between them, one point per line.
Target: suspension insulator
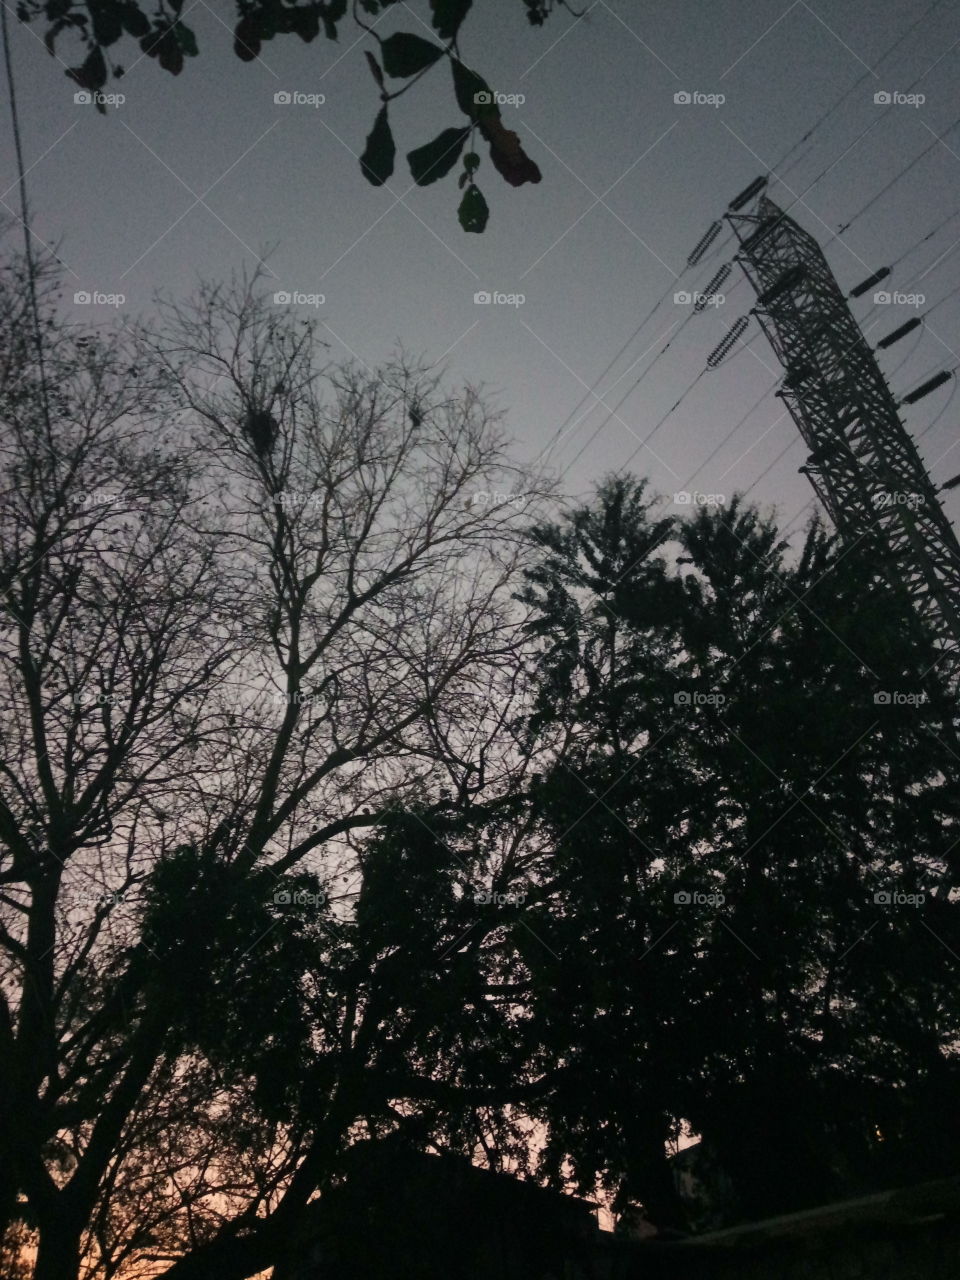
925	388
951	484
897	334
747	194
704	243
789	280
710	289
723	346
870	281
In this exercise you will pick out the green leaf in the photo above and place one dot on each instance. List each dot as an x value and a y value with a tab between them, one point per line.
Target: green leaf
376	163
448	15
473	212
471	162
474	96
437	158
186	39
405	54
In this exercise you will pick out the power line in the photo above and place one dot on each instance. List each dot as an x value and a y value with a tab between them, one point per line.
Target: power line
25	219
591	391
733	430
823	173
630	390
893	181
852	89
673	408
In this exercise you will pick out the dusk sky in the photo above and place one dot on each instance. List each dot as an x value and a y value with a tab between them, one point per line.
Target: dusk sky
199	174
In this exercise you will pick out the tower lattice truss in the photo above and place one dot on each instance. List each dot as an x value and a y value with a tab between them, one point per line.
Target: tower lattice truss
863	465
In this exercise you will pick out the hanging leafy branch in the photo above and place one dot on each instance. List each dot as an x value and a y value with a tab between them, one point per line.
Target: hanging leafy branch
403	56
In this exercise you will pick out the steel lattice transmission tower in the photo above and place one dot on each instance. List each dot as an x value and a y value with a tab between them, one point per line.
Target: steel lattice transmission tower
863	465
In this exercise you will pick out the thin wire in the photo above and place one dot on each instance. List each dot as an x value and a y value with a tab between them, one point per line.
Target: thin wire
823	173
785	531
733	430
673	408
936	307
630	390
792	441
893	181
671	288
611	413
25	219
592	390
852	89
930	234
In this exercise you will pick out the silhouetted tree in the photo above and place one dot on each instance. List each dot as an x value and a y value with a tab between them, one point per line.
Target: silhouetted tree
212	673
733	787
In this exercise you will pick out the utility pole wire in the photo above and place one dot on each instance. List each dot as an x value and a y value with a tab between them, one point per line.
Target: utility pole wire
25	219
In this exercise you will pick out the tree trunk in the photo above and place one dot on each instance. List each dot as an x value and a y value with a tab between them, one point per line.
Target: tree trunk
58	1252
